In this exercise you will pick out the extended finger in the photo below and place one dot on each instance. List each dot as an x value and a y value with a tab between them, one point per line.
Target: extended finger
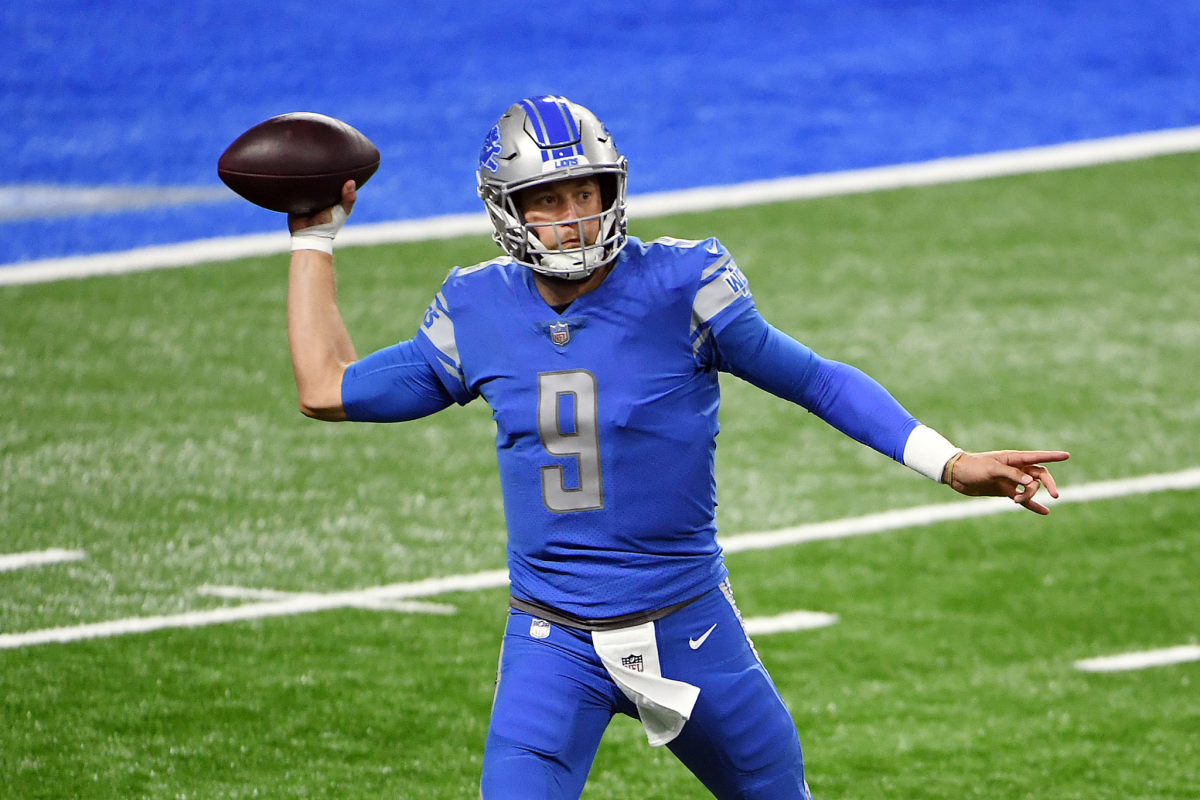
1022	458
349	195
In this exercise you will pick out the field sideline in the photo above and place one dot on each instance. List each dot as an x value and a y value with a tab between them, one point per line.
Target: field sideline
1070	155
152	425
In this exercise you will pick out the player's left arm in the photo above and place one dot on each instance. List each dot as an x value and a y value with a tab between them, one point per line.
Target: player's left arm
860	407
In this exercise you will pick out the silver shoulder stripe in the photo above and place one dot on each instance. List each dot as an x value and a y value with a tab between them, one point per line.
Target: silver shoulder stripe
716	265
719	293
440	330
477	267
671	241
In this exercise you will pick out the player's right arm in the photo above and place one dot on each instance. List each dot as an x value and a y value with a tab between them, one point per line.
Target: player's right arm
391	385
317	337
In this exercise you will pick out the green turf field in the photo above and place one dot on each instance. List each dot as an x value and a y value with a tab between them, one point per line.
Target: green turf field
150	420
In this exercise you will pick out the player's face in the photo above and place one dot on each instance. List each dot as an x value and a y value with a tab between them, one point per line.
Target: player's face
558	202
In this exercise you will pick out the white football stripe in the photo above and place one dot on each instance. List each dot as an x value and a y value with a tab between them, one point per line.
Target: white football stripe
288	606
1070	155
39	558
965	509
791	621
1142	660
406	606
944	170
496	578
30	201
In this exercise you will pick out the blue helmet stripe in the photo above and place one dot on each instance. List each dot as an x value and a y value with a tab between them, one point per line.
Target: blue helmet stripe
554	126
539	130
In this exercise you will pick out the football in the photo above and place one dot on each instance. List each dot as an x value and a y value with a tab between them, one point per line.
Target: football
297	163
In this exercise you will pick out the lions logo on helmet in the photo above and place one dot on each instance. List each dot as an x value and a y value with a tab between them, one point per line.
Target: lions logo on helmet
491	149
544	139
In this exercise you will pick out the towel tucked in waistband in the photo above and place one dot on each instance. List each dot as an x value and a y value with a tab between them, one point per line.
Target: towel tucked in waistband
631	657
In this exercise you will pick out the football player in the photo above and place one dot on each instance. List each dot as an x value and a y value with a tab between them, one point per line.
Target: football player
599	355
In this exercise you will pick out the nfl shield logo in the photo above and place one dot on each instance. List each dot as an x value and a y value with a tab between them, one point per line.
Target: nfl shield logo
539	629
560	333
632	661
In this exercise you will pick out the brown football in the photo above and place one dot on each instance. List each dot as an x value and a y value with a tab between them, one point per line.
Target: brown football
297	163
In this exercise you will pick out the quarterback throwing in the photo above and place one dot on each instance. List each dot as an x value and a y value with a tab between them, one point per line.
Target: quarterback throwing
599	355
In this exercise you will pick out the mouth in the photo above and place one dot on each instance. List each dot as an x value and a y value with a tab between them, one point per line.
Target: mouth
567	239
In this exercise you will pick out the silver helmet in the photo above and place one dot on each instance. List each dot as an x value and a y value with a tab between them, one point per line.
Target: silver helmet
544	139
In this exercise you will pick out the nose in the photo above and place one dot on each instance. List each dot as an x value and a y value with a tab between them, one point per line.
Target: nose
572	209
567	224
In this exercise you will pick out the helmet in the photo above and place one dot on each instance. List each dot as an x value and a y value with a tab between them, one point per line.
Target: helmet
544	139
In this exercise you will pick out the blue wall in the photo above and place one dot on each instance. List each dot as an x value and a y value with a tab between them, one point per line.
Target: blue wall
697	93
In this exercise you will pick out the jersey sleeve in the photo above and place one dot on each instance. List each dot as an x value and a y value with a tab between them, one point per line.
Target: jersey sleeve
845	397
723	293
394	384
436	341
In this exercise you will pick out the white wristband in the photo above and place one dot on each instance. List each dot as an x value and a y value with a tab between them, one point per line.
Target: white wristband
927	452
320	237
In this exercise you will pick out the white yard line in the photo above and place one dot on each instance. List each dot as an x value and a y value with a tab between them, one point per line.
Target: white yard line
791	621
965	509
31	201
39	558
371	604
288	606
943	170
1142	660
496	578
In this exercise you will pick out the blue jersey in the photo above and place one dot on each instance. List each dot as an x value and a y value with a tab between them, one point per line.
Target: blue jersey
606	418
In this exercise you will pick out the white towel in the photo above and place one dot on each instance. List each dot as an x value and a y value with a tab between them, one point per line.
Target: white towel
631	657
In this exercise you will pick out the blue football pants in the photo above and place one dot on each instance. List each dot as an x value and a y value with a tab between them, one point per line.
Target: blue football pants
554	699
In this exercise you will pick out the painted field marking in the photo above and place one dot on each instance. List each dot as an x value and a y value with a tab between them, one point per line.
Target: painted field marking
965	509
1142	660
39	558
791	621
34	200
1070	155
370	604
496	578
287	606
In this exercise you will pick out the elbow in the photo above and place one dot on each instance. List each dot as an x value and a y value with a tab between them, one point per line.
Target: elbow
327	409
324	414
320	396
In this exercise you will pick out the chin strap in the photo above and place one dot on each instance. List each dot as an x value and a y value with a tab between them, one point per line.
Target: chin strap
567	266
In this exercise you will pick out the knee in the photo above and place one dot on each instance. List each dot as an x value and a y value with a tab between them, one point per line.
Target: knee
760	734
512	771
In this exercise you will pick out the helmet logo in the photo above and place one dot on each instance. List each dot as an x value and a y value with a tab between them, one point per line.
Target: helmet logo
491	149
